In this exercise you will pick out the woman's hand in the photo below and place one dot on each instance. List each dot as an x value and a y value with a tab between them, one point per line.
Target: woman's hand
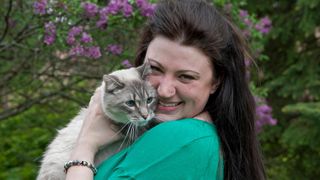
96	131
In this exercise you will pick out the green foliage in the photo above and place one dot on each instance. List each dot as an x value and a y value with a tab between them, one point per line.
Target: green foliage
291	78
25	137
301	139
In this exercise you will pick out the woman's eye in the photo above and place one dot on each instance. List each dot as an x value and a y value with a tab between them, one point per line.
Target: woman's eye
130	103
155	68
149	100
187	77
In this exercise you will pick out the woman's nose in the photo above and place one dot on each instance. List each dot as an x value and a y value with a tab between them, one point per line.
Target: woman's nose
166	88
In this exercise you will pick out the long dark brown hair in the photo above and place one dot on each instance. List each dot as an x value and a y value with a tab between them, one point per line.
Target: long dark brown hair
199	24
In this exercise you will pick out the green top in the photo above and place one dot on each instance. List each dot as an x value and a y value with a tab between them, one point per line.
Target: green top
181	149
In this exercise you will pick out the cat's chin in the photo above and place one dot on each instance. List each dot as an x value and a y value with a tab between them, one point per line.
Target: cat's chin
140	123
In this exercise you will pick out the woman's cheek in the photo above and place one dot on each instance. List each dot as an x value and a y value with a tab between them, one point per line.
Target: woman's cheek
153	80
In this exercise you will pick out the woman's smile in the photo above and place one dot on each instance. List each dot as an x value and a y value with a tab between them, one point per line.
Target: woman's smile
168	106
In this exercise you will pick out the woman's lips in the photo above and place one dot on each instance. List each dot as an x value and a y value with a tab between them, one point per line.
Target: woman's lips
168	106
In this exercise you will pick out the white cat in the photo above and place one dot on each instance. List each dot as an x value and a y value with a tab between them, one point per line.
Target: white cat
127	99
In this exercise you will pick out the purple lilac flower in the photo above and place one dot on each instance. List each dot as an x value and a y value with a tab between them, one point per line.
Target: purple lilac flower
93	52
126	63
86	38
50	33
76	51
127	9
73	32
103	11
76	30
243	13
102	23
40	7
114	49
48	39
90	9
141	3
248	22
264	25
114	6
71	40
264	113
145	7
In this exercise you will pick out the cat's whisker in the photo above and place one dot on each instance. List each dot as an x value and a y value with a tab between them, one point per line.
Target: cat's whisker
130	134
136	132
120	147
119	131
131	139
126	135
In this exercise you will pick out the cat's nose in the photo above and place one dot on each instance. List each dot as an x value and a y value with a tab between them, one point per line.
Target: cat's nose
144	116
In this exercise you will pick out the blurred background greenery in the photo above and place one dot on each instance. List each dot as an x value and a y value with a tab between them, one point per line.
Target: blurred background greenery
49	70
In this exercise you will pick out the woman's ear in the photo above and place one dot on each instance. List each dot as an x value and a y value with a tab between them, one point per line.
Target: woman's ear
215	85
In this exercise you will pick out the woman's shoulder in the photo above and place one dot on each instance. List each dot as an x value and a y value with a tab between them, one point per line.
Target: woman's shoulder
189	127
180	133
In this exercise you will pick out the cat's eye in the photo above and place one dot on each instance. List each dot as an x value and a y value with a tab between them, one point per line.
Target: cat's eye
149	100
130	103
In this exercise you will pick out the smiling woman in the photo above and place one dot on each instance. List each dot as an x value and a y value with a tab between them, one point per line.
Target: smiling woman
183	77
197	58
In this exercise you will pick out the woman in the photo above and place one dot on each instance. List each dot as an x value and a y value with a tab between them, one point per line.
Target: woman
197	59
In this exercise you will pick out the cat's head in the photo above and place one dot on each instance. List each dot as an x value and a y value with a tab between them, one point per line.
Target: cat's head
128	97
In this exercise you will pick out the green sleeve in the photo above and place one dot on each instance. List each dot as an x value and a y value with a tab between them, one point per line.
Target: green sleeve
182	149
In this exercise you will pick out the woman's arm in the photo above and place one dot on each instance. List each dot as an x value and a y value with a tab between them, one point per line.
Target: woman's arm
95	132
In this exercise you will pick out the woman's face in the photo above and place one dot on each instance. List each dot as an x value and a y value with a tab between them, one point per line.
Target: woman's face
182	76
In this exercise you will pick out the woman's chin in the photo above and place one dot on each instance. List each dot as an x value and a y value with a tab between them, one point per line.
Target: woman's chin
166	117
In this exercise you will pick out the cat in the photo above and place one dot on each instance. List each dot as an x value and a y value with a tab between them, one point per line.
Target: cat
127	99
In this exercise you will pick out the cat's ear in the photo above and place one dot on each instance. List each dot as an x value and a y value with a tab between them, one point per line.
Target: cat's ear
112	83
144	70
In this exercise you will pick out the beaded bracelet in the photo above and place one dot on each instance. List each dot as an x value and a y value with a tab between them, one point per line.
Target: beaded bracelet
68	164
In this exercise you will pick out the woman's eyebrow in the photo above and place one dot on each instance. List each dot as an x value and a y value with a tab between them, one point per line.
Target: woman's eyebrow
156	62
181	71
190	71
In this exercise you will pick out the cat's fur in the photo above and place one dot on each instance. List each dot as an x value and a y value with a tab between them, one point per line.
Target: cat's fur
127	99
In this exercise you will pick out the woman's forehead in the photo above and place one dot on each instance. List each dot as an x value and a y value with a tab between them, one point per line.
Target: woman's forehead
163	50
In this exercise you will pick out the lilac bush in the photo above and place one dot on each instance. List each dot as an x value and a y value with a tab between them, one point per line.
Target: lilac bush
78	30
